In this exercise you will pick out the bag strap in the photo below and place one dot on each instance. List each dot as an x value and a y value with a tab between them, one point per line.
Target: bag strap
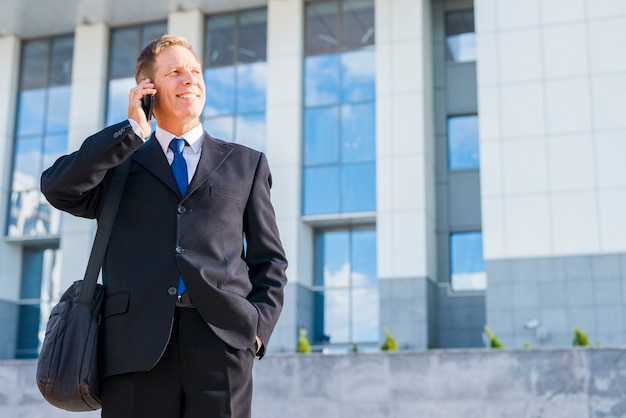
101	241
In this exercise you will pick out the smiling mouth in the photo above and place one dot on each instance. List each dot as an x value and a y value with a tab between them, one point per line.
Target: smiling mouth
188	96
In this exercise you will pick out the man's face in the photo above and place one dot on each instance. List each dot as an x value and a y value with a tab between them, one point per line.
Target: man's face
180	88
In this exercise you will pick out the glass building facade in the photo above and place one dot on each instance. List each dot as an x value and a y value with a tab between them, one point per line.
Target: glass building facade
352	195
339	168
235	51
41	133
126	43
339	115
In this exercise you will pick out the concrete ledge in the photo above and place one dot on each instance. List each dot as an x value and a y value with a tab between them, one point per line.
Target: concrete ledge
477	383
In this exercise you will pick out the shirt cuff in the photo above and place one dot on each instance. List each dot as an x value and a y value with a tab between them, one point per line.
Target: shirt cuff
137	129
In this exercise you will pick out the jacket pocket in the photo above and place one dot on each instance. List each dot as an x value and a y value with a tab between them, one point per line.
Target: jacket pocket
217	191
116	304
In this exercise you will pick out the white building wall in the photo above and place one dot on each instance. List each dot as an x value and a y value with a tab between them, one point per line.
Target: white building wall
190	25
552	105
283	146
405	168
10	254
404	140
87	108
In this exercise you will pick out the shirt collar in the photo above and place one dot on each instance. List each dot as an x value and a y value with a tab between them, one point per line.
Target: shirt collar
193	138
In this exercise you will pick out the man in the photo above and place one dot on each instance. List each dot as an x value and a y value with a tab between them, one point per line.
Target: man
187	304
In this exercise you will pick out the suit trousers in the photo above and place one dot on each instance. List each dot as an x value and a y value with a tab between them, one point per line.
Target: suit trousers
198	376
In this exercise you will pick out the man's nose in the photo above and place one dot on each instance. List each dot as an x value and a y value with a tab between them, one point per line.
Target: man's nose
188	78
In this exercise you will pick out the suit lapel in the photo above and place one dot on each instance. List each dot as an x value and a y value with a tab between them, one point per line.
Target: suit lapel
151	156
214	153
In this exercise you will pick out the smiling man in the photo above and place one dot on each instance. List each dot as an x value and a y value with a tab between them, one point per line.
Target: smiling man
187	304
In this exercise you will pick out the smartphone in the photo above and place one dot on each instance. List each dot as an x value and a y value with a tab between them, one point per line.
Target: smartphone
147	103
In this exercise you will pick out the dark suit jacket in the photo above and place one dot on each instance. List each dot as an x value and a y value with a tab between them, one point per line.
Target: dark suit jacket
158	235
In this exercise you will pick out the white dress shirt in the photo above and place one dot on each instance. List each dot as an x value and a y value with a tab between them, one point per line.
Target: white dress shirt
191	153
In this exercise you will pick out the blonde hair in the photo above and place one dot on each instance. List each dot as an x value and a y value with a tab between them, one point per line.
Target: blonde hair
145	62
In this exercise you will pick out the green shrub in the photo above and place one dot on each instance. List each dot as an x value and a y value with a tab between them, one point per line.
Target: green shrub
303	342
580	338
390	343
494	342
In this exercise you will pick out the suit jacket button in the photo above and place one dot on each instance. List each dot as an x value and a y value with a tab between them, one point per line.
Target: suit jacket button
182	209
179	250
172	291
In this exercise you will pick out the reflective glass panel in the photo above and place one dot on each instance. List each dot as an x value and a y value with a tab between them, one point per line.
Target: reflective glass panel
220	41
321	190
458	22
41	131
220	91
50	286
321	80
363	258
358	76
117	103
358	132
460	36
57	119
221	127
321	130
336	311
23	213
334	247
27	164
252	35
348	80
151	32
358	187
463	152
365	314
347	306
467	265
124	51
54	147
250	130
251	87
34	68
47	217
357	24
31	112
50	215
32	318
28	331
461	47
321	28
61	62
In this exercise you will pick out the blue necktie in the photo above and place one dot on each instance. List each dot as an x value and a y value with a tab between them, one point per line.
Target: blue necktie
179	168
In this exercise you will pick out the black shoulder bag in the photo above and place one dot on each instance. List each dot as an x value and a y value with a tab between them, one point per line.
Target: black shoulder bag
67	369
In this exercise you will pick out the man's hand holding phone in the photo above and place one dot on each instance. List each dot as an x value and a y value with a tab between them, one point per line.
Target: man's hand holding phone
141	102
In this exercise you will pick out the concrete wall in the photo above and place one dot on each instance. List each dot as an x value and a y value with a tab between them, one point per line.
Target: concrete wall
548	383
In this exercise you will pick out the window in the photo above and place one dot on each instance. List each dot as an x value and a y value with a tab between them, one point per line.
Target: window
346	288
463	151
235	76
340	112
460	36
40	286
41	132
467	266
126	44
